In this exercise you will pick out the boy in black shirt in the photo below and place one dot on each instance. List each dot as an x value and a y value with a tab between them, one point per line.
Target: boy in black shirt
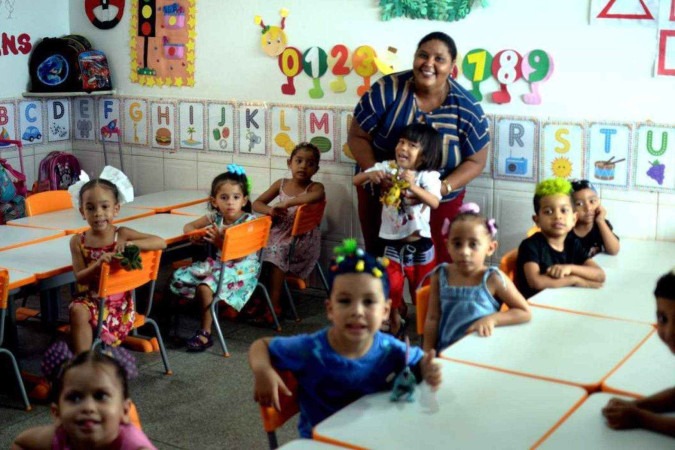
553	257
592	227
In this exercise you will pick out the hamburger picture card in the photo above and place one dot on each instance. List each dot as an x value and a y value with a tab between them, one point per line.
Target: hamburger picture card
163	125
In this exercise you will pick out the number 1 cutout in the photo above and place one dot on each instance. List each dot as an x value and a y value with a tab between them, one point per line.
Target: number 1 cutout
340	66
537	67
506	69
290	63
476	67
315	64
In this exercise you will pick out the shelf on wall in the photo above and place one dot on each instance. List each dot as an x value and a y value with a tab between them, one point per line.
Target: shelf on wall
67	94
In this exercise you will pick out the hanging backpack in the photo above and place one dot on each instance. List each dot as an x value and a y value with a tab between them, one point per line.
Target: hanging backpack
13	209
58	170
12	181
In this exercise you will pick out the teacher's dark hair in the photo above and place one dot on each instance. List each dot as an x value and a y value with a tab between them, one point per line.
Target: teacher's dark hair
444	38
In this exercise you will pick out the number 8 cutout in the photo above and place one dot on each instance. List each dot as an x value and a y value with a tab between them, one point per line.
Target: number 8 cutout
506	70
537	67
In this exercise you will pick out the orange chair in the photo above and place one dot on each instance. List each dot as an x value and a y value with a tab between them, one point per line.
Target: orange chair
532	230
114	280
307	218
4	295
48	201
240	241
422	296
508	263
273	419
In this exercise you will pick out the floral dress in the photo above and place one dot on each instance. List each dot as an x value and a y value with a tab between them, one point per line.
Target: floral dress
240	277
118	309
307	247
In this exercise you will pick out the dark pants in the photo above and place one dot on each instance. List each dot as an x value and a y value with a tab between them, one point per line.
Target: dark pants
370	216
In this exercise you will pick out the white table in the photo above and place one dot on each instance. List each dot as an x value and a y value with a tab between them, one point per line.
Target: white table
307	444
167	200
623	296
649	370
555	345
70	220
167	226
586	428
19	278
636	255
11	237
198	210
466	412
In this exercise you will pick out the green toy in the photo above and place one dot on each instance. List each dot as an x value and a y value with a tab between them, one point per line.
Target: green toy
130	258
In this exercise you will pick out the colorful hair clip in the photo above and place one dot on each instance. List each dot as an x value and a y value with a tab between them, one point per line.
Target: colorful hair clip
491	225
470	207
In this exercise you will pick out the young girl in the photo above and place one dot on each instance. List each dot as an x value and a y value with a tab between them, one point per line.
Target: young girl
405	227
91	409
299	190
100	202
466	295
229	206
592	228
649	412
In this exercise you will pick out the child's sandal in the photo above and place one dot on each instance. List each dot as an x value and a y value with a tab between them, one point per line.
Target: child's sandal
197	344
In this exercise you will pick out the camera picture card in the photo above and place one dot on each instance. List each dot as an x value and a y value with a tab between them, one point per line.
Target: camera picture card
135	121
562	150
608	153
163	125
31	128
516	148
84	119
284	129
654	160
58	119
8	120
191	124
109	119
251	128
220	126
345	117
319	129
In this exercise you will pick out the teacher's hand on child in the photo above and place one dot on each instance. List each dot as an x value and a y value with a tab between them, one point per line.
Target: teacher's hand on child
267	387
431	371
483	326
621	414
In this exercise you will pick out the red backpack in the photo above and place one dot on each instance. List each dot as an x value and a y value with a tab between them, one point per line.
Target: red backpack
58	170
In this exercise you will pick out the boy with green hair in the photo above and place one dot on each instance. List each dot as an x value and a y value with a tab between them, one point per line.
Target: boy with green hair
552	257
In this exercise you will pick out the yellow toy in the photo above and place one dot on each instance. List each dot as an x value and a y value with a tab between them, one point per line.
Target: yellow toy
392	198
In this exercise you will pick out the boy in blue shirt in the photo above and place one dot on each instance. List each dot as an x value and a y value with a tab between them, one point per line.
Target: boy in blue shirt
553	257
349	359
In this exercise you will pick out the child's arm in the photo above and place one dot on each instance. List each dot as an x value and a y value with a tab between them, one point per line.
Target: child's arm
431	371
127	236
85	274
433	318
609	239
589	270
518	312
36	438
644	413
202	222
539	282
315	194
374	176
261	204
268	383
422	194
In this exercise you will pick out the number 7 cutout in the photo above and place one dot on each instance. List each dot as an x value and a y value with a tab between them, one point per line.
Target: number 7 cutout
506	69
537	67
476	67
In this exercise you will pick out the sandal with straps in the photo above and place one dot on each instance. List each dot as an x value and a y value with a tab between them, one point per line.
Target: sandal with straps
197	344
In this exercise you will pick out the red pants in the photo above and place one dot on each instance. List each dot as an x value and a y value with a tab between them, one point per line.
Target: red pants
415	271
450	210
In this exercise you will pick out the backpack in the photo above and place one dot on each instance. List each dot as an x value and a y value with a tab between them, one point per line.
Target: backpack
12	182
94	71
58	170
13	209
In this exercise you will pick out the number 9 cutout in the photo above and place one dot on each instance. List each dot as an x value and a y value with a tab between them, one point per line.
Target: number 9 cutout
506	69
537	67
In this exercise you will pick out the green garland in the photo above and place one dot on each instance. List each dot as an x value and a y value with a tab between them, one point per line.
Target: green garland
445	10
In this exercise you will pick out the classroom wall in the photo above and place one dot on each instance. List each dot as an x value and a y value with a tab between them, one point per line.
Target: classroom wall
601	73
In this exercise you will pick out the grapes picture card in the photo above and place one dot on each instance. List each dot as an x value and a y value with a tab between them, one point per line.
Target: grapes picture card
654	160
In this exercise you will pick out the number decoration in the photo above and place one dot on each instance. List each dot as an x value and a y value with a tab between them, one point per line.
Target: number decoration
363	61
341	66
536	67
290	63
506	69
315	65
476	67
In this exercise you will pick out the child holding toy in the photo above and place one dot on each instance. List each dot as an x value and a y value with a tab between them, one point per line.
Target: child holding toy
592	227
405	227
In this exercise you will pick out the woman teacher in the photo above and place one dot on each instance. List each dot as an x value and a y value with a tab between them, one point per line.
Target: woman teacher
427	94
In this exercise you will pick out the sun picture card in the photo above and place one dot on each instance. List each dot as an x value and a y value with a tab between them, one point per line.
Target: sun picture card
109	119
191	129
654	158
31	127
220	119
58	119
285	123
163	125
608	153
319	129
84	119
8	120
345	117
135	118
252	129
561	151
516	148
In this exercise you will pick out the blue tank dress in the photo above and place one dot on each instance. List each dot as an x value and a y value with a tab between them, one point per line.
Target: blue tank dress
462	305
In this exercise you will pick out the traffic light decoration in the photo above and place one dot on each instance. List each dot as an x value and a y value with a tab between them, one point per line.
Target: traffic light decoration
147	14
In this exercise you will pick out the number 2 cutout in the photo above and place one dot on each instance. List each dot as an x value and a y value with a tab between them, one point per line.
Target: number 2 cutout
340	66
506	69
476	67
537	67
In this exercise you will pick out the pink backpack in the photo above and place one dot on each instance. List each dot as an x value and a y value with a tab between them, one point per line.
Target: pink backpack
58	170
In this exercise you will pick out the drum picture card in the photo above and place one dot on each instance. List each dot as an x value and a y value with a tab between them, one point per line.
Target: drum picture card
84	119
31	129
284	129
135	121
319	129
562	150
654	160
516	148
608	153
191	125
251	128
58	119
